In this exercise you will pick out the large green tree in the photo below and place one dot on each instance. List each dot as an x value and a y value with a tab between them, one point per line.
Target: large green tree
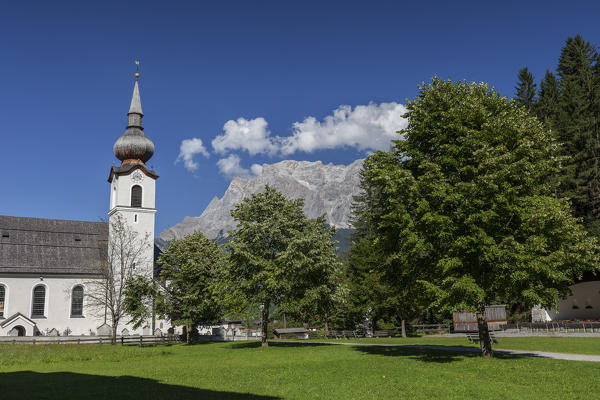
278	257
465	205
525	89
187	294
377	293
320	287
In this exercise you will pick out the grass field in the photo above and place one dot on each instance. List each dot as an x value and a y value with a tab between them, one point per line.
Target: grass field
283	371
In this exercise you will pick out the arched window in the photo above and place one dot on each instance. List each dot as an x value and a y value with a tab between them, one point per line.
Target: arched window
136	196
2	296
77	301
39	301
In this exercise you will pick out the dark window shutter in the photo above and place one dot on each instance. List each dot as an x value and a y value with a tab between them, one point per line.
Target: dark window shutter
2	295
77	302
136	196
39	301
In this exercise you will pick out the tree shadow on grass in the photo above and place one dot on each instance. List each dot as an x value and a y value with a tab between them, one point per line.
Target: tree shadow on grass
68	385
432	354
275	343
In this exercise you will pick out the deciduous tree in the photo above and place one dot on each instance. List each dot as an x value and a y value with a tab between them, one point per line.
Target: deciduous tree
124	259
465	205
191	270
279	257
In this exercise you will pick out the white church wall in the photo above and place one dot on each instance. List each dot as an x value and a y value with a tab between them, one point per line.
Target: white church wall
57	307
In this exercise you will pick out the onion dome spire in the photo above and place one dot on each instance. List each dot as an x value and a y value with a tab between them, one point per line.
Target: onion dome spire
133	145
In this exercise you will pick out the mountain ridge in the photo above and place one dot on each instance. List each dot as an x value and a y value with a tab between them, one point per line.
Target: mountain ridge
326	189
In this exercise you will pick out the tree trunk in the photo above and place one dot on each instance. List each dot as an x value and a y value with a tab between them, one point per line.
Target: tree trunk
188	334
484	334
113	339
403	325
265	325
326	329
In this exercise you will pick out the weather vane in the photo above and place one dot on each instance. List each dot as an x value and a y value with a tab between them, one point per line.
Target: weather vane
137	69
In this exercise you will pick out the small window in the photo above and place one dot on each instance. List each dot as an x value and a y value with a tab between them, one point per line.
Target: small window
77	301
39	301
5	235
77	239
2	296
136	196
135	218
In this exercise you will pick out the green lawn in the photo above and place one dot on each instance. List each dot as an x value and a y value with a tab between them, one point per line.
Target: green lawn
283	371
575	345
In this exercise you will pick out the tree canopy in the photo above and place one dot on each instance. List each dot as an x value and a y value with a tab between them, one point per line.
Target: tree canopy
191	269
465	206
278	257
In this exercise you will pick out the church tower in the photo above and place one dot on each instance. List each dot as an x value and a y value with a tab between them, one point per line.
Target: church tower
132	184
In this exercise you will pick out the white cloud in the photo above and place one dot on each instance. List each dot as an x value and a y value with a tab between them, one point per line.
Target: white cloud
369	127
188	149
256	169
230	167
242	134
365	127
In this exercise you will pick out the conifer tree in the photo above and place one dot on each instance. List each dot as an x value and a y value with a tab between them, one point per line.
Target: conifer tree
547	106
578	130
525	89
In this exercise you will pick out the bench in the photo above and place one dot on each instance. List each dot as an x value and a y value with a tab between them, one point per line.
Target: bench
344	335
300	333
474	337
384	333
334	335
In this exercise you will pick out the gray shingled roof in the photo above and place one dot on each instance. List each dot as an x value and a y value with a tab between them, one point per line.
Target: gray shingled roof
50	246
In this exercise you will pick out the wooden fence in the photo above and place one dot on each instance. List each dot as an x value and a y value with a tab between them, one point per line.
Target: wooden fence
555	327
395	332
123	340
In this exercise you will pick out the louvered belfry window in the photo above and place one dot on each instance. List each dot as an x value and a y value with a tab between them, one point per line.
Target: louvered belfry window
77	302
2	295
136	196
39	301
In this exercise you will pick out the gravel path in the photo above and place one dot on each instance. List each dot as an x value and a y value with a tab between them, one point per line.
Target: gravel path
526	353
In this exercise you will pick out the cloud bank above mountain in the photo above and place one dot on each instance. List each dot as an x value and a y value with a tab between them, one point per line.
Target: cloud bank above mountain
363	127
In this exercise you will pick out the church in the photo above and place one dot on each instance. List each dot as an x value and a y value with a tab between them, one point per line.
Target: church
48	267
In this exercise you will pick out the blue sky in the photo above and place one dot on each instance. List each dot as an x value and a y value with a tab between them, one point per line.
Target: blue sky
231	69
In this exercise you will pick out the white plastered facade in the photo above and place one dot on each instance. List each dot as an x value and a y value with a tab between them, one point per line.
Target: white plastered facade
582	304
57	305
139	219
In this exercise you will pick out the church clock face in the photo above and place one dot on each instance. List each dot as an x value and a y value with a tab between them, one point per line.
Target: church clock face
137	177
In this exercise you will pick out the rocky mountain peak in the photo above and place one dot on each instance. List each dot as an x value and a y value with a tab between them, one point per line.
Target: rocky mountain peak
326	189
